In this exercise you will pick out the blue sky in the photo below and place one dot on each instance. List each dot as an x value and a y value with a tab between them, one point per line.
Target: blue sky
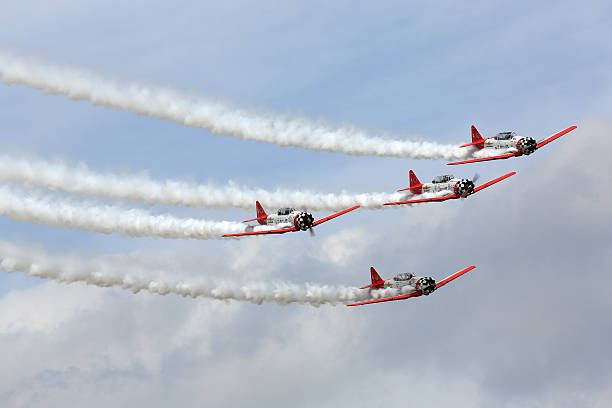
527	328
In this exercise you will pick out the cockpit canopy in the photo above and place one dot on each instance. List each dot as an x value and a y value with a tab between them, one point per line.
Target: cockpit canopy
505	135
442	179
285	211
403	276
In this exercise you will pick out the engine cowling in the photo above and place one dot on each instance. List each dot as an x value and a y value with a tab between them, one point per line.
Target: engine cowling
426	285
464	187
303	221
527	145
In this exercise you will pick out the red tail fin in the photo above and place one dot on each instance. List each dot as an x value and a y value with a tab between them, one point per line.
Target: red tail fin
477	140
377	281
375	277
261	214
415	184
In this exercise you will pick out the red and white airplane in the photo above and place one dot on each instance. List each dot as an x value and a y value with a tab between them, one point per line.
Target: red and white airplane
448	186
286	220
407	285
508	144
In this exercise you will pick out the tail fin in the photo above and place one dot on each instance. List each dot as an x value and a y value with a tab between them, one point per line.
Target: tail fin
261	214
377	281
415	184
477	140
375	276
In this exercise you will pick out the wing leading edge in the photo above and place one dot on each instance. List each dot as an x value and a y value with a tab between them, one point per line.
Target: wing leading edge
425	200
497	180
322	220
279	231
503	156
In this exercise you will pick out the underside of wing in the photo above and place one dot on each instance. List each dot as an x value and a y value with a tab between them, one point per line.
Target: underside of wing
279	231
503	156
453	277
555	136
389	299
322	220
497	180
425	200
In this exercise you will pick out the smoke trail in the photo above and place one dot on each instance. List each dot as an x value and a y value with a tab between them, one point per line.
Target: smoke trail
106	219
214	116
101	273
80	180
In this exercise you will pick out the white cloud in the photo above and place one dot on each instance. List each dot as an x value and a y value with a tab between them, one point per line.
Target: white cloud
43	309
339	248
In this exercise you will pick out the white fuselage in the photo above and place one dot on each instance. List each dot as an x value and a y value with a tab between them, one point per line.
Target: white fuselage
404	285
507	145
282	221
439	187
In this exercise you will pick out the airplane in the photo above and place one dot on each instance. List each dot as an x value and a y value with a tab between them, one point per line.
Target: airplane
286	220
454	187
407	282
509	144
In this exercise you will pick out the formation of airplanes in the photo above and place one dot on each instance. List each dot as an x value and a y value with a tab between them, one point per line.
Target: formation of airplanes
445	187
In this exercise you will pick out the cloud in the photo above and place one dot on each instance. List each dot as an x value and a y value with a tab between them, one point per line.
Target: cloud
46	309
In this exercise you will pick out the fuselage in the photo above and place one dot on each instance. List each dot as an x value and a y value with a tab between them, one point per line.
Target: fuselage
406	283
510	142
289	218
447	184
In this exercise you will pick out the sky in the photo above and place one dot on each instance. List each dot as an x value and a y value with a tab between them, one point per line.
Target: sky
528	327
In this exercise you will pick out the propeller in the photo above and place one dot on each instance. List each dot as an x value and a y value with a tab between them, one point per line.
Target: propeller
476	177
312	233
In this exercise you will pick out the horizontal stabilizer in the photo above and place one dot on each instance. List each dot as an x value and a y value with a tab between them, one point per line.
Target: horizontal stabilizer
473	143
263	217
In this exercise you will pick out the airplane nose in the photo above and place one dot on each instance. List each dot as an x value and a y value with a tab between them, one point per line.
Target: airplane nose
528	145
304	221
465	187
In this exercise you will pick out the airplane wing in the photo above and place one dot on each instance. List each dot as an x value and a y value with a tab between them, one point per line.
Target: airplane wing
279	231
555	136
490	183
425	200
453	277
389	299
503	156
322	220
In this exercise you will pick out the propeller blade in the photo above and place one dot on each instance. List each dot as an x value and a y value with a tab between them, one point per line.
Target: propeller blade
476	177
312	233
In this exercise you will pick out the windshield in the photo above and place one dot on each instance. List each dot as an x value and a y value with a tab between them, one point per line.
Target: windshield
403	276
504	136
285	211
443	179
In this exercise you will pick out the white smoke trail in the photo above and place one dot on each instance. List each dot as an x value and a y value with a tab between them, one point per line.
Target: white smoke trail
80	180
214	116
36	209
101	273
